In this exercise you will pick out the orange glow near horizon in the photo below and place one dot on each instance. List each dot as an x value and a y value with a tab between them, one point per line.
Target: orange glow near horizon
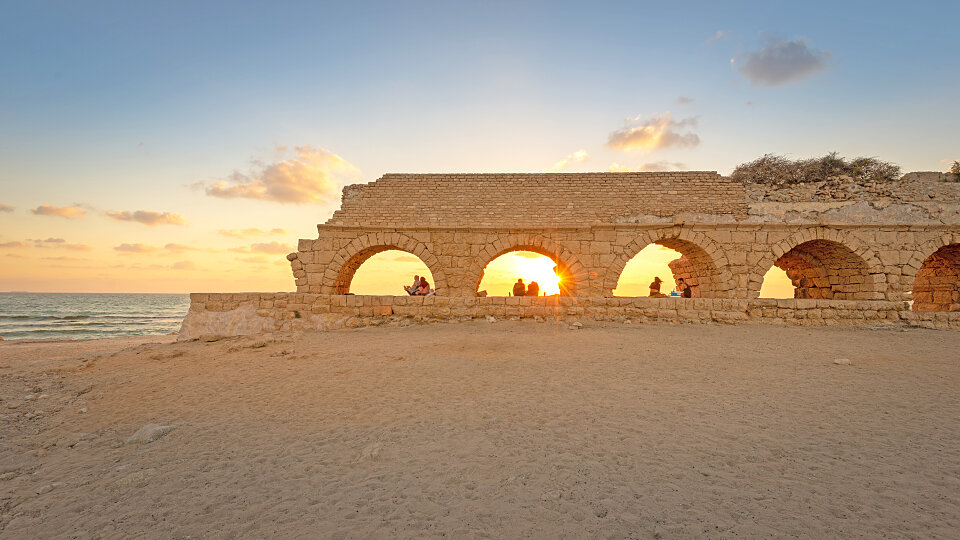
388	272
502	272
639	272
776	284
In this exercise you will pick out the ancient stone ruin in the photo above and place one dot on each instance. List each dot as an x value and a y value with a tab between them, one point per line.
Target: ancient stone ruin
857	253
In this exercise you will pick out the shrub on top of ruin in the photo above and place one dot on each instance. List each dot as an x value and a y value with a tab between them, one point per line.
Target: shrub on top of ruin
955	170
772	169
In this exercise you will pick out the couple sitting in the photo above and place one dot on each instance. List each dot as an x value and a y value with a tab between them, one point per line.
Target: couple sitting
520	290
682	288
420	287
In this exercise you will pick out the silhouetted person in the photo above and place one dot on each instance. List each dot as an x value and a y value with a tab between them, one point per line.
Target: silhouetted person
533	289
683	288
519	289
655	287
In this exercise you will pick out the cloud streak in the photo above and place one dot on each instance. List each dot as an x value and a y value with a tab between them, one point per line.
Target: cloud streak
660	131
135	248
148	217
311	176
782	62
70	212
60	243
268	247
577	157
656	166
6	208
253	231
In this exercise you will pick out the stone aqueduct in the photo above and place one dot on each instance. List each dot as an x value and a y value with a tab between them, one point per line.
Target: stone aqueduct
876	253
847	246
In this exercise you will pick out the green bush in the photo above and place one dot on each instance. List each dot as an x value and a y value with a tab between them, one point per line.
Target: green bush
772	169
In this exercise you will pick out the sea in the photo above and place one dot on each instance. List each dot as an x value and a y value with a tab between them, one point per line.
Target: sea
89	316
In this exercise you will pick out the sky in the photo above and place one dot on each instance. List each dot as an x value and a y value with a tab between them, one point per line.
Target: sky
186	146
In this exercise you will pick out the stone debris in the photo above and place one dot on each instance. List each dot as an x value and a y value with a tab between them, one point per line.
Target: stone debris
491	319
842	361
149	433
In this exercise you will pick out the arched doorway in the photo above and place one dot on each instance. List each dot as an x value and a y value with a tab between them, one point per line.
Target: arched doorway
937	285
825	269
501	274
387	272
695	265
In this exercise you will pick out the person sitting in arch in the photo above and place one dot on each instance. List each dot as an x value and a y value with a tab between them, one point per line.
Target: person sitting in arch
519	289
533	289
655	288
424	288
411	290
683	288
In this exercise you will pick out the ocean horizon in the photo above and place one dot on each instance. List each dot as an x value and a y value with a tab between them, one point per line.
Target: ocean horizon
31	315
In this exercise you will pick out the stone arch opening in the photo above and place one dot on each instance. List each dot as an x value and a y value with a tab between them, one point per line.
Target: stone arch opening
695	265
501	274
937	284
826	269
568	268
351	256
387	273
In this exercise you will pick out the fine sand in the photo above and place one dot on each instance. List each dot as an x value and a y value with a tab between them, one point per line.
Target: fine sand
509	429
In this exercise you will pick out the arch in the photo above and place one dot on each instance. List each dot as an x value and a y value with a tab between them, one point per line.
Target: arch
824	263
571	272
348	259
936	283
700	262
921	254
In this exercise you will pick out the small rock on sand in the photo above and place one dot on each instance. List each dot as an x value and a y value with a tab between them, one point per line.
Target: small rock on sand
576	325
149	433
842	361
491	318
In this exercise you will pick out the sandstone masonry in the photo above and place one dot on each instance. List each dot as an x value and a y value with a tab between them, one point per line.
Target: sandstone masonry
853	250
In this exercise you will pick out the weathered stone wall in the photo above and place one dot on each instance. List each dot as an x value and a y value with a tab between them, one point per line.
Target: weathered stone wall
840	241
851	261
857	253
253	313
534	200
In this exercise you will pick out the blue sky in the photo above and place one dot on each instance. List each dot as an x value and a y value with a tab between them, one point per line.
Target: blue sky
126	106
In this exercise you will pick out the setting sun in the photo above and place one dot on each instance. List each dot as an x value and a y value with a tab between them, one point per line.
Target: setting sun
500	275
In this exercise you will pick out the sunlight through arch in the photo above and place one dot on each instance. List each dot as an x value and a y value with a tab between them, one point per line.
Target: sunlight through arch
651	262
501	274
776	284
388	272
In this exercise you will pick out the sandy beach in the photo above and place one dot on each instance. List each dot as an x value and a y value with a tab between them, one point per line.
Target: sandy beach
510	429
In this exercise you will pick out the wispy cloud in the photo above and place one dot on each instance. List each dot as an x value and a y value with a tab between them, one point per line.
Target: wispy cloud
660	131
253	260
577	157
253	231
311	176
148	217
14	255
12	245
6	208
63	258
656	166
782	62
135	248
70	212
683	100
716	37
60	243
179	247
269	247
184	265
